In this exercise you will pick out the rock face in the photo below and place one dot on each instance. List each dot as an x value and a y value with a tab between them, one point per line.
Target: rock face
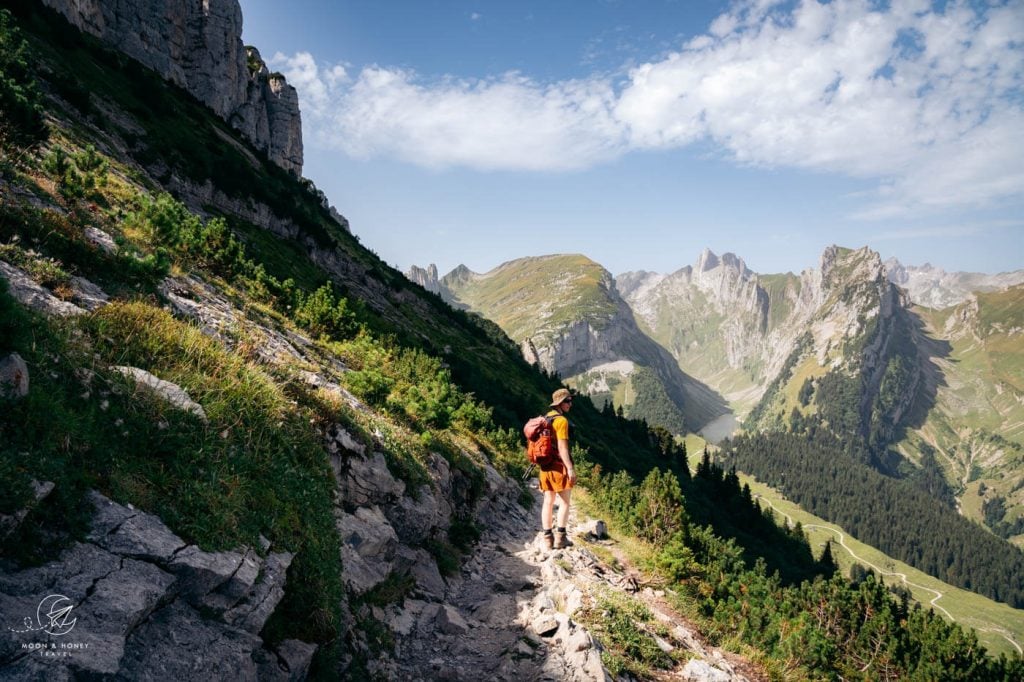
32	295
13	377
198	46
737	330
135	601
425	277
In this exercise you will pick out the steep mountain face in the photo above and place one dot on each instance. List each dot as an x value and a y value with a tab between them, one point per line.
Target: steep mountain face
856	361
737	330
568	318
933	287
976	429
198	46
712	317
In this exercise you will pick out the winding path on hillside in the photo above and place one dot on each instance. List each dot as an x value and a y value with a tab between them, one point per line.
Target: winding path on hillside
841	537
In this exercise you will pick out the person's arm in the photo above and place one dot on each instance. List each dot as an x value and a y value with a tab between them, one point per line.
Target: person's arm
563	452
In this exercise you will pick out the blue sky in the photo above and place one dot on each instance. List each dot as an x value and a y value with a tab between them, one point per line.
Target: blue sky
640	132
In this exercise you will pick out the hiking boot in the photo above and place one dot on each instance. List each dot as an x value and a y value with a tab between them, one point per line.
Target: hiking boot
549	541
562	541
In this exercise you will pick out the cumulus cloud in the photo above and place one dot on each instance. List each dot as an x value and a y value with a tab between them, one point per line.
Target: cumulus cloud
929	101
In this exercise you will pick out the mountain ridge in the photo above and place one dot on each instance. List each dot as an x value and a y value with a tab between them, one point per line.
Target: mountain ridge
564	312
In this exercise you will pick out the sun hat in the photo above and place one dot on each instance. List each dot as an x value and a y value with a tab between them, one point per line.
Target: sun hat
560	396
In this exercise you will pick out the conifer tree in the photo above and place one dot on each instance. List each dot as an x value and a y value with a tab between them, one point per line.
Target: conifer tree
827	562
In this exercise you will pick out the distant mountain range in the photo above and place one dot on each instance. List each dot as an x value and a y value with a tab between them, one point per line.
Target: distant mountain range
921	366
933	287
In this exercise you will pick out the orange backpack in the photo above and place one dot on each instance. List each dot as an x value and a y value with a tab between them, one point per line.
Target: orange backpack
541	446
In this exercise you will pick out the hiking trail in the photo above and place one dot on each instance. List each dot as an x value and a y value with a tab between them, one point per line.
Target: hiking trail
510	614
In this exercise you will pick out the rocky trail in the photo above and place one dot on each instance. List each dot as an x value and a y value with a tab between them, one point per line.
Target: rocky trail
511	614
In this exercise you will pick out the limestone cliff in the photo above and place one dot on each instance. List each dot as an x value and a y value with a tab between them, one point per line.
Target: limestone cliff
425	277
198	46
747	335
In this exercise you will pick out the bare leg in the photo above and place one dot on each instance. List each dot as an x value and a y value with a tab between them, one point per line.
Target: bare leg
563	507
547	511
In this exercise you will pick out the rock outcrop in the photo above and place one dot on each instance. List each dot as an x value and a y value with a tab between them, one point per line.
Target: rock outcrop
198	46
135	601
425	277
517	611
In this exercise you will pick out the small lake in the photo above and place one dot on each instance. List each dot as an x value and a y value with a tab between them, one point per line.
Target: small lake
717	430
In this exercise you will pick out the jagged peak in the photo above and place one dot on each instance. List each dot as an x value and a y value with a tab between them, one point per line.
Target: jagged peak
847	257
460	273
706	261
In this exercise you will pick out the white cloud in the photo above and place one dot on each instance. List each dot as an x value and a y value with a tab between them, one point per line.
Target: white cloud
509	122
928	102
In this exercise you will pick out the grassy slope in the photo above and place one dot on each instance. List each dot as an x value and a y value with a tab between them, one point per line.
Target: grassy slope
977	426
539	297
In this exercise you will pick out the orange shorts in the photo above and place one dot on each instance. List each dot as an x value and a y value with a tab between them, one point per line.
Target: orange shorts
555	480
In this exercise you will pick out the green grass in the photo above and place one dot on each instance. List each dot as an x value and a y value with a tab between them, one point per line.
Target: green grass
977	425
561	290
623	626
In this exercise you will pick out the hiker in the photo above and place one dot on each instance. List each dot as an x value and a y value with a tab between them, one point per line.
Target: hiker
558	476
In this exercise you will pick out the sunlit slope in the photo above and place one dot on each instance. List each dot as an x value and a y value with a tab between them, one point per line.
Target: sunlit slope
567	316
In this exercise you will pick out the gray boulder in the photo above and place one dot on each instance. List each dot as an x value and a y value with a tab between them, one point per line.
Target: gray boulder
129	532
252	613
88	295
124	598
170	392
13	377
199	572
697	670
34	296
423	568
101	240
368	546
289	662
177	644
364	482
238	585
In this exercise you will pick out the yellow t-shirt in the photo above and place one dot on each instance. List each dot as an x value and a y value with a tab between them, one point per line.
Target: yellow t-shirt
560	425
